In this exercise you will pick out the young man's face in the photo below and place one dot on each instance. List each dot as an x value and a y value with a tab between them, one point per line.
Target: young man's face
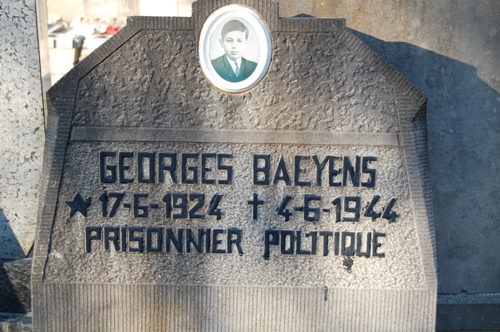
234	44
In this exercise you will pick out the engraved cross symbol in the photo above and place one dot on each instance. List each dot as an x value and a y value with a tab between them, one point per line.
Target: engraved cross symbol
256	202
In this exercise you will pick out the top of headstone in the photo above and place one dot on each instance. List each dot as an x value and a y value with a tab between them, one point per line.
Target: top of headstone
329	50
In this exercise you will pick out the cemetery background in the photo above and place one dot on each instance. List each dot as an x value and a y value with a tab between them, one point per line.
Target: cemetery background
448	49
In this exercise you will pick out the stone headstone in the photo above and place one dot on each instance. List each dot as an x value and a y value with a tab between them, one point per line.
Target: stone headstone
179	196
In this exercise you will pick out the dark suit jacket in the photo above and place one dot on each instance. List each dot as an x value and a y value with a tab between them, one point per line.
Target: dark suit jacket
224	69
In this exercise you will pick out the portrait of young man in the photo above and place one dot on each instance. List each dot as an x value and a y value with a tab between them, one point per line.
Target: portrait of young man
232	66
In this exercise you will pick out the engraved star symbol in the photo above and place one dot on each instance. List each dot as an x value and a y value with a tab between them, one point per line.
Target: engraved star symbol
79	204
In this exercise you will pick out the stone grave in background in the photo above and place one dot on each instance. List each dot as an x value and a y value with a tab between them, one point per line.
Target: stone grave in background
293	196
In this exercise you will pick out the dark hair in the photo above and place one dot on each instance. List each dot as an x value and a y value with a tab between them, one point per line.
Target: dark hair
234	25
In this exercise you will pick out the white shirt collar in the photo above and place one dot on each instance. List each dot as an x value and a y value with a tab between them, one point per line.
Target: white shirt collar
233	63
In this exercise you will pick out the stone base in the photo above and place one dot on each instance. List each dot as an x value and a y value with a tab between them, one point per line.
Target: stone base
462	312
145	307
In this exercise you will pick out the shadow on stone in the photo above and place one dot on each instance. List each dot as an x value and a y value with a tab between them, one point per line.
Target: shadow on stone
15	275
10	247
463	125
15	286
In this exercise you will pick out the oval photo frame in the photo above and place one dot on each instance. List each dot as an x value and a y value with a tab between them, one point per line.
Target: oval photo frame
215	54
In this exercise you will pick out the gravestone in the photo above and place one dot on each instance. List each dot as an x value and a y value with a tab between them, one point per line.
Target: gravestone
180	196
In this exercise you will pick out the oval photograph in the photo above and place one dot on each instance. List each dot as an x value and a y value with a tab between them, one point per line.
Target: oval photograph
235	49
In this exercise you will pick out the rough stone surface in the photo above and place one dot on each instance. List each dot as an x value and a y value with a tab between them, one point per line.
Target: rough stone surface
450	51
74	265
326	94
15	286
21	127
193	103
